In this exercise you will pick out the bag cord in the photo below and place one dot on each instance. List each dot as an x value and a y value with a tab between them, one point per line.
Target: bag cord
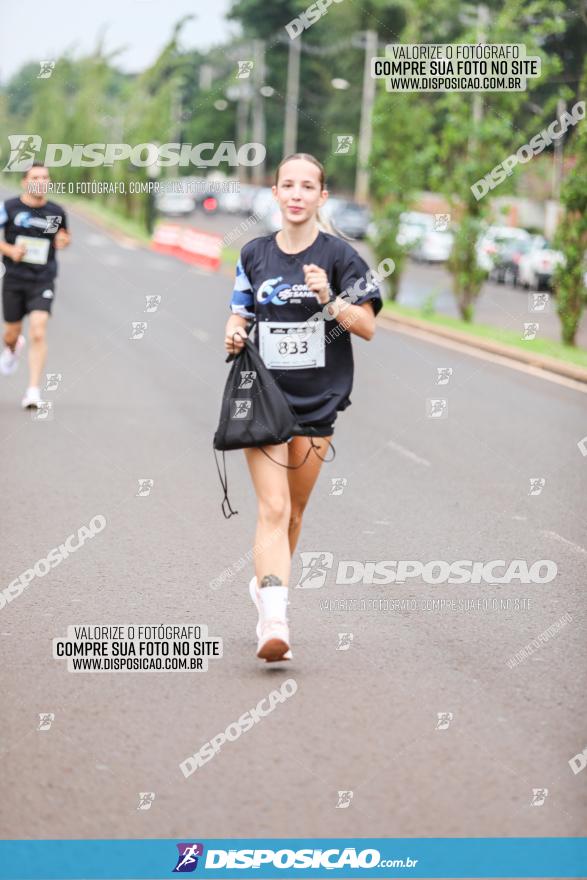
224	484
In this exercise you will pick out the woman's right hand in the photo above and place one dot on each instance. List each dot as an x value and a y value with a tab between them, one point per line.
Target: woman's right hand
234	341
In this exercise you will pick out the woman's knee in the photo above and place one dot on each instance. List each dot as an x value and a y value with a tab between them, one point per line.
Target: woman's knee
296	515
275	508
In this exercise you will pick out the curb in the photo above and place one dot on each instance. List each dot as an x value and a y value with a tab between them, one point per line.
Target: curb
539	361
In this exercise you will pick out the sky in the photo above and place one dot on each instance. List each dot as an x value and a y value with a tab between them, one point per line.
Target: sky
41	31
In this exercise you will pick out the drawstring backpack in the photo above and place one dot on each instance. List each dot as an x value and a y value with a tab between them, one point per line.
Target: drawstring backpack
254	413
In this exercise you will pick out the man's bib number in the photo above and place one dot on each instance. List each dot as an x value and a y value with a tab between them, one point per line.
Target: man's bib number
291	346
37	249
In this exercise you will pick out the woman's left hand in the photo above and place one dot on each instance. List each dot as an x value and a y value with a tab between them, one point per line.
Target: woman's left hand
317	280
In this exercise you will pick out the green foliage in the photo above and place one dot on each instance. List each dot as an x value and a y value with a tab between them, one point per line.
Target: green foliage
571	239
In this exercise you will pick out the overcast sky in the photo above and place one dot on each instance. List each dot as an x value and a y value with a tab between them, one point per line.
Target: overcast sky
41	31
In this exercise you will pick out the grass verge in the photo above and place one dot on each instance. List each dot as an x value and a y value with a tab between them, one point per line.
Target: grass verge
546	347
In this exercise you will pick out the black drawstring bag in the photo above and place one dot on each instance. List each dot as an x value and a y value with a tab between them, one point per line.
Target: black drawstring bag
254	413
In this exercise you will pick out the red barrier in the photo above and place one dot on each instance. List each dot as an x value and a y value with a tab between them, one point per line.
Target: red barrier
188	244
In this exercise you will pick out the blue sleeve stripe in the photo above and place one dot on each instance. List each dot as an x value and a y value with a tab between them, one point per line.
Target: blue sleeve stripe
3	214
242	298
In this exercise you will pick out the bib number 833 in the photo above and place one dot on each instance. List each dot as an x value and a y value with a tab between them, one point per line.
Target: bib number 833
293	346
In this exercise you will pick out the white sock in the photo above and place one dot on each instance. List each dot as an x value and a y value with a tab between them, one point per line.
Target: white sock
273	602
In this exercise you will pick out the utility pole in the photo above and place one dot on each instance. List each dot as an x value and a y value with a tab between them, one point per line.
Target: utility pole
366	129
482	25
259	135
290	131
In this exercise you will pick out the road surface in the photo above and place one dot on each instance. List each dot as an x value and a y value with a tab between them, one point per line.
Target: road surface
421	718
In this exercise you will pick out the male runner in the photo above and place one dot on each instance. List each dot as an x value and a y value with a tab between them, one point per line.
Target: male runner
33	229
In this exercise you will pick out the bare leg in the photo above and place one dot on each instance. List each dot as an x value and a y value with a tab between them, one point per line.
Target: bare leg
11	334
38	345
303	479
272	554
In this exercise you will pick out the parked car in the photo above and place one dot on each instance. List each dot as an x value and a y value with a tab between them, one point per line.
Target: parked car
506	262
433	247
494	240
537	265
174	204
413	225
350	219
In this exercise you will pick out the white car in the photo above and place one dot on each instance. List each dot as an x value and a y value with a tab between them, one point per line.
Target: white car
536	267
494	238
413	225
433	247
175	204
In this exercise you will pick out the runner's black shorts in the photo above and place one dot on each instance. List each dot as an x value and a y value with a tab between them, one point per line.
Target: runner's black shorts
21	297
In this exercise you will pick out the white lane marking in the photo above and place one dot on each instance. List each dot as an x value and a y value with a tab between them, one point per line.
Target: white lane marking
408	453
520	518
486	355
556	537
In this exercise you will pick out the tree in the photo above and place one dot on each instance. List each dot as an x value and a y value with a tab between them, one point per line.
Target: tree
571	239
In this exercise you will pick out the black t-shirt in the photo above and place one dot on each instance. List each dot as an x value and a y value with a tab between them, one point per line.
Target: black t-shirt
314	368
21	224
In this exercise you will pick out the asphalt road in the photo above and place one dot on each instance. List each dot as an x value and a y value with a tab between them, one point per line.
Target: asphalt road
362	720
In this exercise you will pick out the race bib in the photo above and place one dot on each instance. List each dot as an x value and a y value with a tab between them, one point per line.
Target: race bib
37	249
291	346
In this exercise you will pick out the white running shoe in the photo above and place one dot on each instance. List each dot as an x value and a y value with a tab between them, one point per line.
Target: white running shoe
263	636
9	358
32	398
274	642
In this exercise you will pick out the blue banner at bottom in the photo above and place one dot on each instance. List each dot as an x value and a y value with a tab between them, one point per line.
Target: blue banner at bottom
284	858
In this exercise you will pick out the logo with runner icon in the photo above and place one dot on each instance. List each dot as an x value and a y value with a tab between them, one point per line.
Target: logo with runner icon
315	565
187	860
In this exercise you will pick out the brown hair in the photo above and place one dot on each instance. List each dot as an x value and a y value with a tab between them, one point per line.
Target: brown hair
324	224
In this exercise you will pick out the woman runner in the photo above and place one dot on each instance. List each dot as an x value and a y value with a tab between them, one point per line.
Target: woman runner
282	280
